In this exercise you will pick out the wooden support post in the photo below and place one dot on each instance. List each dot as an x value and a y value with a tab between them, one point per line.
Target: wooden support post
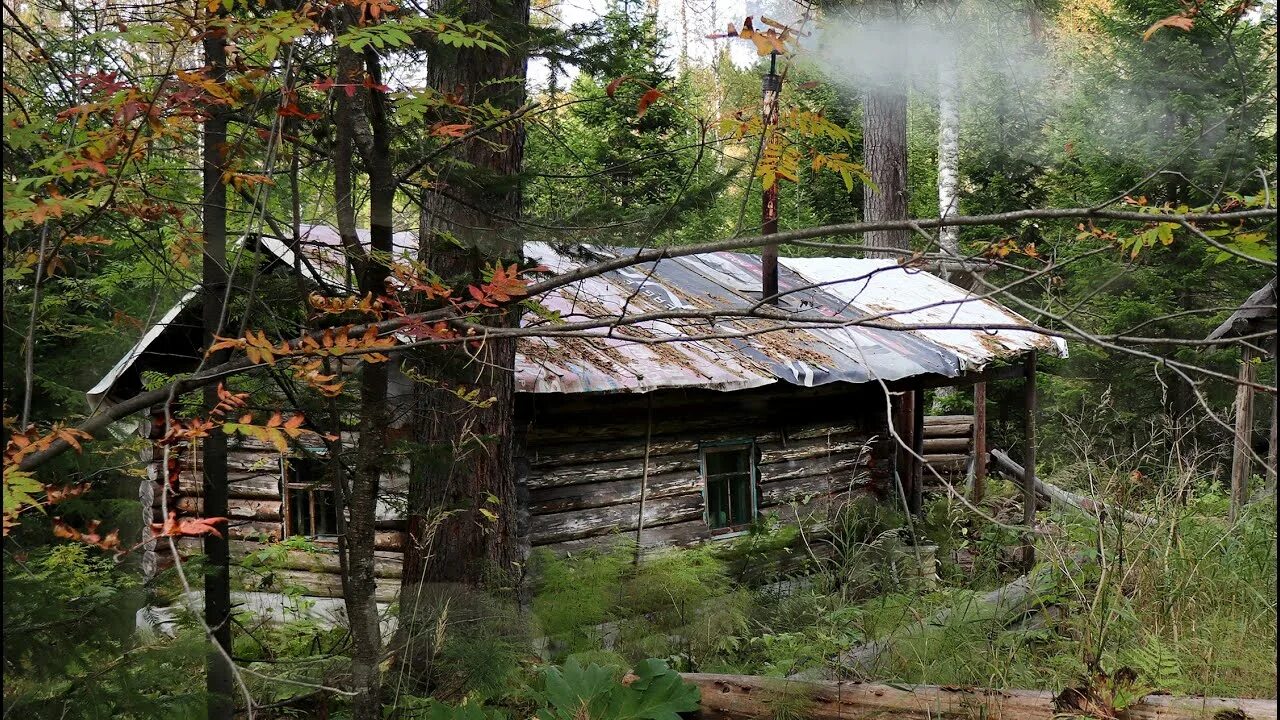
1271	448
1240	465
916	498
979	442
1029	460
644	477
1271	444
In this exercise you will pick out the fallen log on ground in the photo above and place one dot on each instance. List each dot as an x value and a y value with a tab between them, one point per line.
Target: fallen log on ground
1006	465
1004	604
746	697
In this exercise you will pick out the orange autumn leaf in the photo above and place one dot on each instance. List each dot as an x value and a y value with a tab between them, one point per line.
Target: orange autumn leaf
1179	21
646	100
188	527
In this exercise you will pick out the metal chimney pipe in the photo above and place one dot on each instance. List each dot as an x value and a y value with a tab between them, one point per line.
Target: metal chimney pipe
771	87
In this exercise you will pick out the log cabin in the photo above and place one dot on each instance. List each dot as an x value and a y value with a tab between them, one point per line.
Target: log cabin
667	432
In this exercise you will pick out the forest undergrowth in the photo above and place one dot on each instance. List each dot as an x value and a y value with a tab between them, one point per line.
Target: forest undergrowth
1187	603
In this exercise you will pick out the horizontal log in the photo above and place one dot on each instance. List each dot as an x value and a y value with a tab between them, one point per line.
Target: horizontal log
613	470
1007	466
613	492
323	584
936	445
948	430
546	456
387	564
815	448
778	493
844	465
693	532
239	484
260	510
575	524
947	419
743	697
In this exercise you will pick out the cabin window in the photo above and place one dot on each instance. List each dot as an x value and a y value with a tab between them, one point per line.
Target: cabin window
728	473
309	499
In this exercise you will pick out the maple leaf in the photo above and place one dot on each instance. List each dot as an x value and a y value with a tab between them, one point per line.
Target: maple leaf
443	129
1180	21
186	527
646	100
90	536
612	87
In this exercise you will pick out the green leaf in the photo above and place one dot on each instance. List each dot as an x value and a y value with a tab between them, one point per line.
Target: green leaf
658	693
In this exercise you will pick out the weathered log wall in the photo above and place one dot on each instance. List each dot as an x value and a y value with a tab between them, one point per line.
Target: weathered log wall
593	461
948	446
591	473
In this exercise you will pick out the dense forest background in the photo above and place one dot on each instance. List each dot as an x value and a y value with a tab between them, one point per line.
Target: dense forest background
1152	106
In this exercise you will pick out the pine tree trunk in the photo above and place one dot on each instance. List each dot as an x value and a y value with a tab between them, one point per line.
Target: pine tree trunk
884	147
461	494
217	583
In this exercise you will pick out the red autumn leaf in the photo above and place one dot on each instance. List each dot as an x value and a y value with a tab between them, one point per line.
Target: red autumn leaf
110	541
612	87
1180	21
443	129
189	527
646	100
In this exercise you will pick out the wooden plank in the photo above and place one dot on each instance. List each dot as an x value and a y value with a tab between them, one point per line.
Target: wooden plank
612	492
575	524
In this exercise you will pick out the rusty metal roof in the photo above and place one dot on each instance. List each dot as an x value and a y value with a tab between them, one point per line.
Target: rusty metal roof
820	342
729	354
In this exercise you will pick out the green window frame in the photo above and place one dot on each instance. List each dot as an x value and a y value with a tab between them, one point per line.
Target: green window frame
728	484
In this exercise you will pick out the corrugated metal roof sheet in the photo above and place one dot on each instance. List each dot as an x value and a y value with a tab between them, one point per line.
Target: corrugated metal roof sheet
748	352
731	353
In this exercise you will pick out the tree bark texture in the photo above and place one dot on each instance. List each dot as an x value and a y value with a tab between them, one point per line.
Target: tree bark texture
461	497
884	147
217	582
363	127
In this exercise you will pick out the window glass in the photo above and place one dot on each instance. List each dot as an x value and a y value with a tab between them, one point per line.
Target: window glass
730	486
312	510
